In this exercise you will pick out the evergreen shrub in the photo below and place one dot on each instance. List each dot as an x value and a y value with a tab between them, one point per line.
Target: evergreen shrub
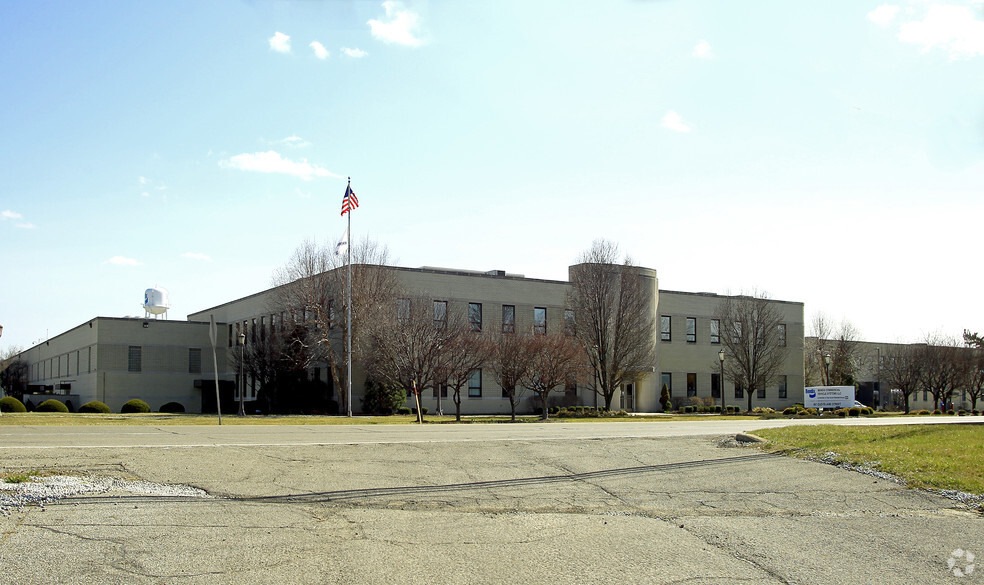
95	407
11	404
135	406
52	405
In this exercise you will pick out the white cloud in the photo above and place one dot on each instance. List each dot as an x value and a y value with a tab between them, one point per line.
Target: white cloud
143	180
295	141
196	256
954	28
673	121
354	53
883	15
319	50
123	261
280	42
400	27
25	226
703	50
271	162
8	214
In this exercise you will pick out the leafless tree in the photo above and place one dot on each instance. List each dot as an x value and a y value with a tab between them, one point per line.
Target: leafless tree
752	341
310	294
842	344
408	344
556	360
613	307
468	352
975	366
902	368
943	370
510	362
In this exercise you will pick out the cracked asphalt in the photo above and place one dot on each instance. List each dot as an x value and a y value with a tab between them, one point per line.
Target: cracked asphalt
546	508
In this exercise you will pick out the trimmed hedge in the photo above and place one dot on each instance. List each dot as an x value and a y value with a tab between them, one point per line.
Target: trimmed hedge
11	404
95	407
135	406
172	407
52	405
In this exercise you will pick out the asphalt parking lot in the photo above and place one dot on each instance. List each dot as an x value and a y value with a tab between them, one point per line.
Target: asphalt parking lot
562	506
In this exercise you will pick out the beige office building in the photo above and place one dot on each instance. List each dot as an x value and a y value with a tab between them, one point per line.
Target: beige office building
95	360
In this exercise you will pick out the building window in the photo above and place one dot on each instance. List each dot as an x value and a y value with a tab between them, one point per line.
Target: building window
194	360
782	386
570	327
761	392
691	329
230	334
403	310
475	317
666	381
440	314
691	384
133	363
540	320
736	332
782	334
715	331
475	384
739	392
715	385
331	314
444	391
664	328
570	388
508	318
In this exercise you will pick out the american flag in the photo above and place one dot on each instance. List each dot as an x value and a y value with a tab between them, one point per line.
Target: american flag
349	201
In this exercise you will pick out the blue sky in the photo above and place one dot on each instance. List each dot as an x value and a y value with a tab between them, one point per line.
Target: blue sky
830	153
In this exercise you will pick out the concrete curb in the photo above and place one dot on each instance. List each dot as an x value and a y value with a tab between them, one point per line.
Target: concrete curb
749	438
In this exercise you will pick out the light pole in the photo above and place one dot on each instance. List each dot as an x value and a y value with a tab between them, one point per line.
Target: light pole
242	376
721	381
826	367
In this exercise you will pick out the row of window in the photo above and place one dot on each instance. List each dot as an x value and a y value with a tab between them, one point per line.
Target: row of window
714	330
134	359
59	366
666	379
475	318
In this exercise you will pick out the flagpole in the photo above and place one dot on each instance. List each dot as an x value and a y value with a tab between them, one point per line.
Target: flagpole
348	317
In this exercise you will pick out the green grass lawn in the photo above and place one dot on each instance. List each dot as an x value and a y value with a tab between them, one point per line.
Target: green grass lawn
947	457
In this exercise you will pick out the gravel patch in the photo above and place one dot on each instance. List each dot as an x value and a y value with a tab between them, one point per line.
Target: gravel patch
832	458
40	491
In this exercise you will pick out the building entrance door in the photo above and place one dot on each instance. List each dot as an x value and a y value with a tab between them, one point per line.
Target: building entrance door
628	397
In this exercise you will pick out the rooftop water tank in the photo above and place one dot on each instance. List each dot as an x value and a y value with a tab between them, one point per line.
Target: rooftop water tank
155	301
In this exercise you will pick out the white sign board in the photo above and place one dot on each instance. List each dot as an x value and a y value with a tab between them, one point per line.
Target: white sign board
828	396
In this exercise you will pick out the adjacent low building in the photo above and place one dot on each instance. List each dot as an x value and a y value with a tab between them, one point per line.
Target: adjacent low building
160	361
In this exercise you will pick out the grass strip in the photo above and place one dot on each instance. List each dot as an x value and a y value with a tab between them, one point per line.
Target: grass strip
946	457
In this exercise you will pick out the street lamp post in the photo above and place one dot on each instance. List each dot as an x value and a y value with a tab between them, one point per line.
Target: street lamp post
826	367
721	381
242	376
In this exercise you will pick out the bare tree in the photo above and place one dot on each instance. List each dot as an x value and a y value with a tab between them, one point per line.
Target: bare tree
752	340
942	372
468	352
556	360
975	366
843	346
311	294
613	306
902	369
408	345
510	362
